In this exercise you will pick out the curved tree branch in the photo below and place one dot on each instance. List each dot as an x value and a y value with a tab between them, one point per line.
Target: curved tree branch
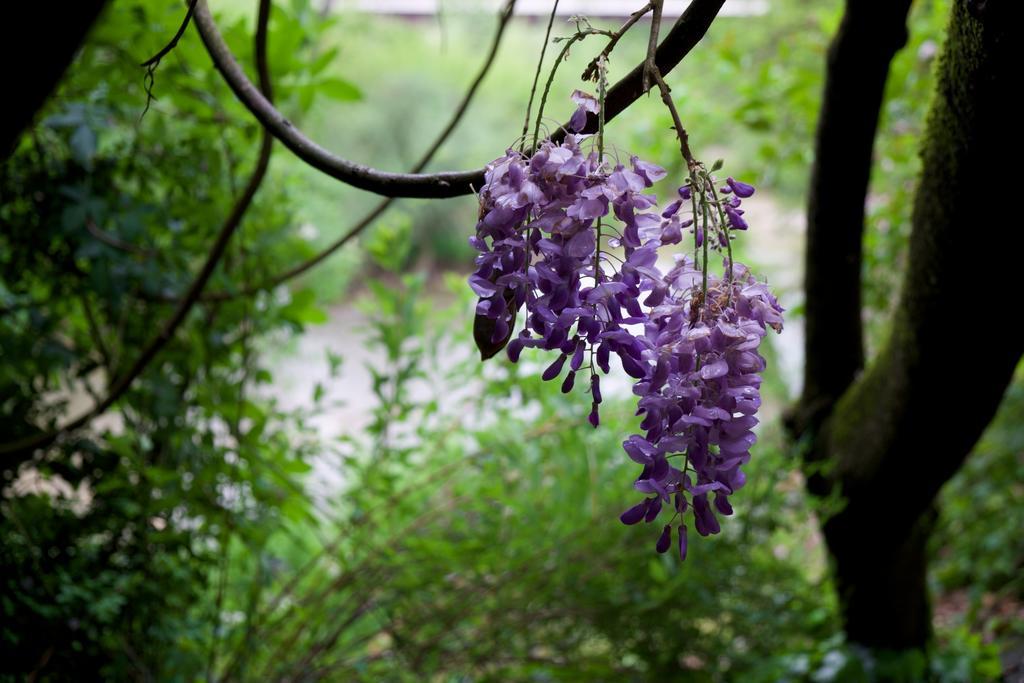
260	49
685	34
367	220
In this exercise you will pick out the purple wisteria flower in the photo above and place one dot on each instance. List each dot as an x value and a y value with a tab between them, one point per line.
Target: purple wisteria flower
538	232
689	337
701	392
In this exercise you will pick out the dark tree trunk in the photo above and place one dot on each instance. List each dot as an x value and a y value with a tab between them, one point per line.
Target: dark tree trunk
870	34
38	41
904	426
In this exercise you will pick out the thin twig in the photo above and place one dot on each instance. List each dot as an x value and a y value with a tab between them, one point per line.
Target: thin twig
536	74
651	70
115	242
576	37
652	43
96	332
677	123
153	62
155	59
590	73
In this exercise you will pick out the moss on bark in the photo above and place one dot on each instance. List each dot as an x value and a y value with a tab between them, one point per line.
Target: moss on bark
905	426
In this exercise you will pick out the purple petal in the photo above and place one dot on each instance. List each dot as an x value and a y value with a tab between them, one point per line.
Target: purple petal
735	219
570	379
581	245
482	287
653	510
665	540
714	370
514	348
578	121
604	290
586	101
555	369
722	504
741	189
577	356
632	367
703	518
672	209
651	172
635	513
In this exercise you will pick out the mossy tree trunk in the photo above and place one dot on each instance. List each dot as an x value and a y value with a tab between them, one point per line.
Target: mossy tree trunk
887	438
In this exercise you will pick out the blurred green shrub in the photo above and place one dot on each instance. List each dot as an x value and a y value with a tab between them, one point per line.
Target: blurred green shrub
110	540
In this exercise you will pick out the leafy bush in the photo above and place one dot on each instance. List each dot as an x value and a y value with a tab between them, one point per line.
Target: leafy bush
110	537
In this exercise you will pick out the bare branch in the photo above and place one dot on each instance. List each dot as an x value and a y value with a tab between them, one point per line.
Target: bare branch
677	122
652	72
503	20
357	175
155	59
652	43
685	34
536	75
260	49
590	73
153	62
114	241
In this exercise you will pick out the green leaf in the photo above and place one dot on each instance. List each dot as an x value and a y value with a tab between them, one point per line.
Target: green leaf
303	309
338	89
83	146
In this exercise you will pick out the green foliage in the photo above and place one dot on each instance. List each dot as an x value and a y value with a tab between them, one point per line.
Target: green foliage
779	82
475	535
977	545
110	538
477	539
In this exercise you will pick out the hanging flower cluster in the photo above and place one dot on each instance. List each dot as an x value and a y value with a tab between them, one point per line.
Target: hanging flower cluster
548	227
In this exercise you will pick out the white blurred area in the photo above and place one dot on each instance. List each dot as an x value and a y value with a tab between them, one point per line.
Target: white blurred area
535	8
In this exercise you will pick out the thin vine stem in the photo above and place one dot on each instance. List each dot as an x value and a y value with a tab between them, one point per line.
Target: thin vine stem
547	86
724	228
536	76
